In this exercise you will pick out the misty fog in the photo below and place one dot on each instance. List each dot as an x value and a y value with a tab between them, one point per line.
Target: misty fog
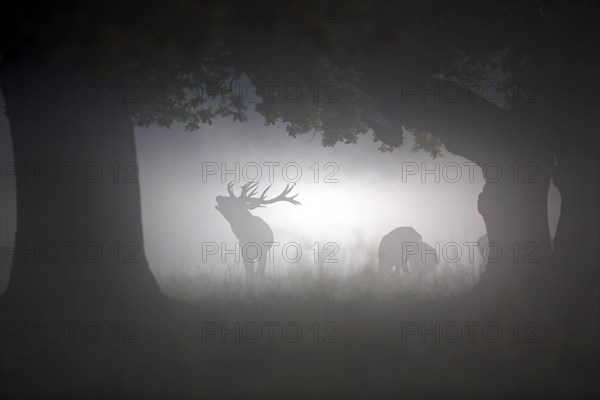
314	199
351	196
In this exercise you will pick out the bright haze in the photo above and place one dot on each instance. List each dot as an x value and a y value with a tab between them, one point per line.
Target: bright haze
351	194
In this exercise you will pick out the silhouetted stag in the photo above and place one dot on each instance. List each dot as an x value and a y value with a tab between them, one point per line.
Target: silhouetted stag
254	234
403	248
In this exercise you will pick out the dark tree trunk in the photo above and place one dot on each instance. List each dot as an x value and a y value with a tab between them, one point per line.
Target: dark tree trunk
79	244
577	233
577	178
514	201
513	204
576	278
79	239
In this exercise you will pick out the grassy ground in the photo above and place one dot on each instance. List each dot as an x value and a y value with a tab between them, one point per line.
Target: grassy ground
378	336
324	333
325	282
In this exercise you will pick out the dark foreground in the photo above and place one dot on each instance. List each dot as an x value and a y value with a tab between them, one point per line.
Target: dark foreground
532	345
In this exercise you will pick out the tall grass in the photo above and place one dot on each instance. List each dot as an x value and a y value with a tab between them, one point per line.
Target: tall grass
309	282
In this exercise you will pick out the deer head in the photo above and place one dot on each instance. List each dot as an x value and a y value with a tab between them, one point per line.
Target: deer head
236	208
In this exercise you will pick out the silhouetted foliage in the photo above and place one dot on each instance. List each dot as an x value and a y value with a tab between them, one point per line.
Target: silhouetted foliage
180	54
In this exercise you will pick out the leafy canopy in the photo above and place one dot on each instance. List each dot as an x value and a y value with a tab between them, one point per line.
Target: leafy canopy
186	57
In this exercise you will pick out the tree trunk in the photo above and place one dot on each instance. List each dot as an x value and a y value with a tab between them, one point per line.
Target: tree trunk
577	233
514	201
79	239
576	280
577	178
514	206
79	256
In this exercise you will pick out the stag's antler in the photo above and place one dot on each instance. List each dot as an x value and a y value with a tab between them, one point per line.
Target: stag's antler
250	186
262	200
249	190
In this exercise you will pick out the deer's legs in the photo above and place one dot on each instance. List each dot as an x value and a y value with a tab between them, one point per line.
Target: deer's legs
249	266
385	266
262	262
404	267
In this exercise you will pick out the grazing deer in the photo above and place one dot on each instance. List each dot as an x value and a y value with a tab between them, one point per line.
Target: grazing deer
404	249
254	234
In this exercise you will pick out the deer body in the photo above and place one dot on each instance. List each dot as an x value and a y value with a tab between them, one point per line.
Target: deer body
404	249
255	238
254	234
